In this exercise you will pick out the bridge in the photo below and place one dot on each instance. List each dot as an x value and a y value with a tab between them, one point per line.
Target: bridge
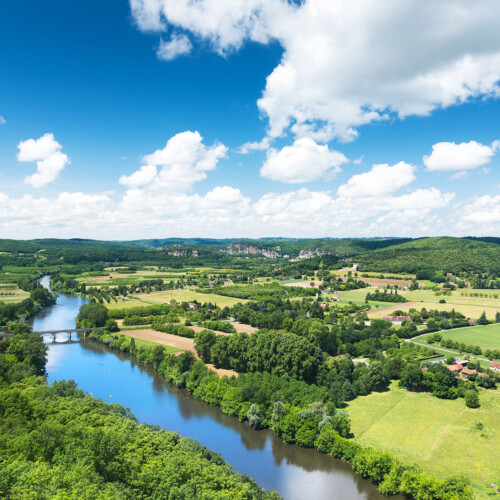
69	331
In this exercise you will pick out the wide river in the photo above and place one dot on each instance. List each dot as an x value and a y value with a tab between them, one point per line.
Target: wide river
296	473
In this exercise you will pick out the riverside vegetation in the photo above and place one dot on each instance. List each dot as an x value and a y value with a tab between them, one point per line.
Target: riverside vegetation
321	345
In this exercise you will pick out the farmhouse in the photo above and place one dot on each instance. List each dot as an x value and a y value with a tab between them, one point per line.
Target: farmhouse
336	297
455	368
192	305
495	366
397	320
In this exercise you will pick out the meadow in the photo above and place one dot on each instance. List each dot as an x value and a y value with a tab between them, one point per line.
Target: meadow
441	436
167	296
486	337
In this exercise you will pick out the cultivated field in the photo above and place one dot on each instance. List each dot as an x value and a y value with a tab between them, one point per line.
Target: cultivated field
470	311
486	337
143	299
173	341
437	434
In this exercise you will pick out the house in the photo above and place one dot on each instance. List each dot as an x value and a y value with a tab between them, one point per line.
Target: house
455	368
463	362
495	366
192	305
335	297
397	320
323	305
360	361
465	373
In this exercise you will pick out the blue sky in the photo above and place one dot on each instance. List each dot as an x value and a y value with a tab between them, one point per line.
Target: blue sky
325	91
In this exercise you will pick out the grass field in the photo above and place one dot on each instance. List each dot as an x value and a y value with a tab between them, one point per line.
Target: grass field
357	297
148	343
436	434
486	337
143	299
470	311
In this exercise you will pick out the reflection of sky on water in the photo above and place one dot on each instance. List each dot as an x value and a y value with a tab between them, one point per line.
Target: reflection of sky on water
296	473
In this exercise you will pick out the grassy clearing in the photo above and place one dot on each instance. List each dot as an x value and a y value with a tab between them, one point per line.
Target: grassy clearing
149	343
470	311
436	434
486	337
178	295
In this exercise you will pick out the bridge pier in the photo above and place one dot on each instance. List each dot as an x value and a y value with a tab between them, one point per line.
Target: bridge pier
54	338
69	336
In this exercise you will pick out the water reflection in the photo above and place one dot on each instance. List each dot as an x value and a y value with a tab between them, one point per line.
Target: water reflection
296	473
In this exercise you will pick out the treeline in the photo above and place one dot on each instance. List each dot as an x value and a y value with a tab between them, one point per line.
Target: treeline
259	292
385	297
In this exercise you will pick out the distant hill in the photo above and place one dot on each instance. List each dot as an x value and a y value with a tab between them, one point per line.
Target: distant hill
441	253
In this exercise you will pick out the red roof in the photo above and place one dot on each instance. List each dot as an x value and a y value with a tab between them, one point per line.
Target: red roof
455	368
494	364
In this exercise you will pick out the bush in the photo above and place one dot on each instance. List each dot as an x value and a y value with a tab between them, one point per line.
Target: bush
472	399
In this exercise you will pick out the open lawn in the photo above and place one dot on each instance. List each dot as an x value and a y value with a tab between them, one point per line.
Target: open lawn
357	297
436	434
486	337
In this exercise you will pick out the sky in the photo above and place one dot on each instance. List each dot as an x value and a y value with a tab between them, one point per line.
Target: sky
249	118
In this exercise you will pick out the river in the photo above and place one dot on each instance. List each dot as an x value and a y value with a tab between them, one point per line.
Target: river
295	472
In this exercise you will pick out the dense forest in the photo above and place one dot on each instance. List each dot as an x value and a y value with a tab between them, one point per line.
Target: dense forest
58	442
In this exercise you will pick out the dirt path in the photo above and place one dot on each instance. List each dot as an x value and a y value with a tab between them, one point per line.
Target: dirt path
199	329
240	327
221	371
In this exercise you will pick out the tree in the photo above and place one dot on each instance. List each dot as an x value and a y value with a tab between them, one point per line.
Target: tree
483	320
254	416
412	377
472	399
91	315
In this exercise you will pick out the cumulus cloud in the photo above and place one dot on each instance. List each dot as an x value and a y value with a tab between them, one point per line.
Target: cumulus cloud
303	161
347	63
178	45
3	121
50	161
484	210
381	180
448	156
183	161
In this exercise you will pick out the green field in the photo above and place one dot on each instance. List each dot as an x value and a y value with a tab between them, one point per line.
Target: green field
148	343
486	337
436	434
143	299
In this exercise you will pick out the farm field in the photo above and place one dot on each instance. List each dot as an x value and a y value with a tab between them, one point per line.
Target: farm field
470	311
178	295
357	297
436	434
486	337
456	297
173	343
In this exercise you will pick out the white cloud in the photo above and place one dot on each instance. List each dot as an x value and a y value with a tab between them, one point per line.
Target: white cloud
347	63
303	161
145	175
484	210
448	156
178	45
183	161
3	121
46	151
381	180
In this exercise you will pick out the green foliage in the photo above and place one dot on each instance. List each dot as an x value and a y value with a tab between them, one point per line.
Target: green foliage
92	315
472	399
